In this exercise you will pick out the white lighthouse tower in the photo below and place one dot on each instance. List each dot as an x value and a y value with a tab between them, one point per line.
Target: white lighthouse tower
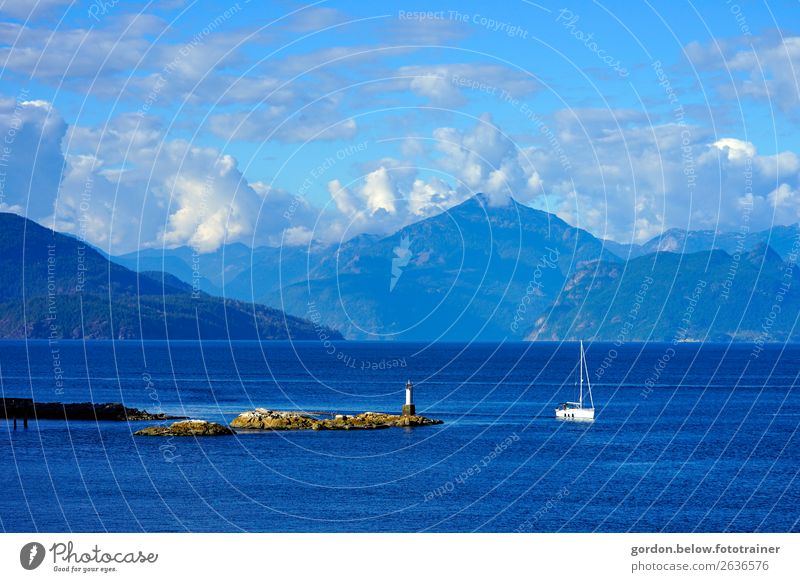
409	409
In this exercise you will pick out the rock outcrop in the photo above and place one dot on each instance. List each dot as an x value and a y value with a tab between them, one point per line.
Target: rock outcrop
187	428
263	419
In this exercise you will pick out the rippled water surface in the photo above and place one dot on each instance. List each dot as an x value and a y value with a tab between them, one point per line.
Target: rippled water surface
705	440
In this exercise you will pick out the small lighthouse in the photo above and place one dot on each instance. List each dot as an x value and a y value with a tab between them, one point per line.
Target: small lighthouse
409	409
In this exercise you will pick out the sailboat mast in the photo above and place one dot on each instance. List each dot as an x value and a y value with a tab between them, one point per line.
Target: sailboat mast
588	384
580	400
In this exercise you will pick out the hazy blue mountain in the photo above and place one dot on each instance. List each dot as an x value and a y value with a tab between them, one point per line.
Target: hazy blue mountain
676	240
53	286
707	295
207	271
489	272
463	274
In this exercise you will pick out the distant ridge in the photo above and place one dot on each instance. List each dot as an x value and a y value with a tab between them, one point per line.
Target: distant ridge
702	296
53	286
676	240
485	272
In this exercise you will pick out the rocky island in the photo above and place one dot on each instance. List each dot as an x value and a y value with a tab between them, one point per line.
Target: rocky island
187	428
264	419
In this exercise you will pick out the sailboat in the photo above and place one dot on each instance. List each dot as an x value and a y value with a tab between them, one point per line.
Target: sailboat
576	410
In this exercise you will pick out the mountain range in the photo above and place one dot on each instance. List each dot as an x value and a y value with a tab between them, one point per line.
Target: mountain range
676	240
55	286
485	272
475	272
701	296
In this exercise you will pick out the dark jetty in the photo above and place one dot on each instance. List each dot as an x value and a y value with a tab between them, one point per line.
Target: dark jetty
25	408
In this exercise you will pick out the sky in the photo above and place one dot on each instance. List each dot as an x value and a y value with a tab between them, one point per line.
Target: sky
161	124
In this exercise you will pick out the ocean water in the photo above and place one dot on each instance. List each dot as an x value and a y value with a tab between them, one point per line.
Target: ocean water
687	438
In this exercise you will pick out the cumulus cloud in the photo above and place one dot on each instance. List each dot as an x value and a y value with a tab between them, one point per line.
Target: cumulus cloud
459	163
31	161
484	159
384	200
127	185
632	182
736	149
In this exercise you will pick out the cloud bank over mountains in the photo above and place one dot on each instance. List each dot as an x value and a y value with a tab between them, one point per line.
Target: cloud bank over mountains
203	139
126	185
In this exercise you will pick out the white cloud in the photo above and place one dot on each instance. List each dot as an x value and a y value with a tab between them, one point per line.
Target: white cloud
384	200
314	18
297	236
378	191
736	149
127	185
451	85
760	67
487	160
343	199
315	121
632	182
32	162
68	55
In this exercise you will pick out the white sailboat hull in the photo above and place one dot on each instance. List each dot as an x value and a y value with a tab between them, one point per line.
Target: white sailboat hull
575	413
576	410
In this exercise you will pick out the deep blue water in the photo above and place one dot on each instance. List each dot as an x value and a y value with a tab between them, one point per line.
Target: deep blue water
713	446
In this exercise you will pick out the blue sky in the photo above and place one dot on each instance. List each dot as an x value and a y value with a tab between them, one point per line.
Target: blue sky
167	123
